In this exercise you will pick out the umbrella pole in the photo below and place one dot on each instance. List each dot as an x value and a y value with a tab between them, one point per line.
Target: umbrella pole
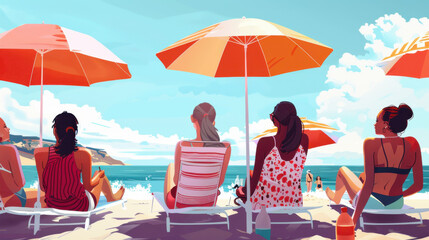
41	103
37	204
248	204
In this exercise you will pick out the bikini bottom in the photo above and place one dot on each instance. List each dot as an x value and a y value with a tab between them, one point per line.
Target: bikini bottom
380	201
22	196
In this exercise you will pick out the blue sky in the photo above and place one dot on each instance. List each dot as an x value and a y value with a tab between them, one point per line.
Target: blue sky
139	120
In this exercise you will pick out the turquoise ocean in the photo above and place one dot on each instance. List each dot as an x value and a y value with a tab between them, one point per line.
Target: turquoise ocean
141	181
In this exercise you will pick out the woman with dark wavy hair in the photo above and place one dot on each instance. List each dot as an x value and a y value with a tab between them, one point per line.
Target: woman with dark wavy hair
203	119
61	167
279	161
387	163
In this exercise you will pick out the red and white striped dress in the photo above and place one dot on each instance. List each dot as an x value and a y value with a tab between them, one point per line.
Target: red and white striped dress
199	176
280	181
61	181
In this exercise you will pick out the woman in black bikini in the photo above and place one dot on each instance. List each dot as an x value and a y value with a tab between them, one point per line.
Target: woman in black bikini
319	186
388	162
309	180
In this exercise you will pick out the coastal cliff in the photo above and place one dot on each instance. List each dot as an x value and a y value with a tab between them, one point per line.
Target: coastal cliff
26	146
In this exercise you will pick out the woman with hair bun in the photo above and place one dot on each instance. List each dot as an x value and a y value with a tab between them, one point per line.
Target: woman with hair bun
387	163
60	168
279	162
203	119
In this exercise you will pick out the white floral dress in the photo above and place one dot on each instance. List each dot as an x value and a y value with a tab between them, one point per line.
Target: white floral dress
280	181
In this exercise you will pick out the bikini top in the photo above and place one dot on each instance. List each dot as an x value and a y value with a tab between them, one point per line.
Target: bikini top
392	169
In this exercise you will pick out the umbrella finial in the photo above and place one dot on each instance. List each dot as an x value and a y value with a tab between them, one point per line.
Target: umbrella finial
43	22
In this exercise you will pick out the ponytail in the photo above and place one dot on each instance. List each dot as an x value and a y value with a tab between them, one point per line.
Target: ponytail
285	113
293	135
205	114
66	129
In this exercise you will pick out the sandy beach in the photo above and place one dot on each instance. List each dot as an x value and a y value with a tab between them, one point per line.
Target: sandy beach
138	222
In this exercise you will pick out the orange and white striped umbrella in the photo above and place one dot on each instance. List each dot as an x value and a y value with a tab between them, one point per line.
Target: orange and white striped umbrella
409	60
217	51
319	134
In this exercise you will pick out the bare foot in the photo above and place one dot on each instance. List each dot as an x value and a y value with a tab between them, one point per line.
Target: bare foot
119	194
331	195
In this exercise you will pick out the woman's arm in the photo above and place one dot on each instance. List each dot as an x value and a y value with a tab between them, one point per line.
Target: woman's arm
177	156
225	163
417	169
41	156
261	153
84	162
15	180
368	152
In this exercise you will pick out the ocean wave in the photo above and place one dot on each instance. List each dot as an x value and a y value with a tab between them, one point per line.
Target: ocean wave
227	191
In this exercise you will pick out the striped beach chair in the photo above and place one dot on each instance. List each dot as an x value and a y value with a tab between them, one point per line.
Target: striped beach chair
197	188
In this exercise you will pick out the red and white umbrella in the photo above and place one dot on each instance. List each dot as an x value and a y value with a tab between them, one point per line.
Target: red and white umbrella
319	134
47	54
409	60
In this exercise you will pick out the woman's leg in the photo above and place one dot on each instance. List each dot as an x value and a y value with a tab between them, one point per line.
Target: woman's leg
105	188
30	199
346	180
169	180
31	194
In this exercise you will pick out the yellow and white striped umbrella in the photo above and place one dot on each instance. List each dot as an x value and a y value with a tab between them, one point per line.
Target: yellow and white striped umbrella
409	60
319	134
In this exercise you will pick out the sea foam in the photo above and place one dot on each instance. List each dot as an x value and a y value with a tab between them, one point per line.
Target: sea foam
227	191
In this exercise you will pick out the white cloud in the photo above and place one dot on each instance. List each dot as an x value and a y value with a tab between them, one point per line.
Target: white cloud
425	150
256	128
238	137
390	31
120	142
351	142
361	89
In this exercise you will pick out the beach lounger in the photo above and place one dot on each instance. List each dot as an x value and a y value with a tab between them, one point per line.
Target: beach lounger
200	172
1	201
35	213
289	211
2	207
405	210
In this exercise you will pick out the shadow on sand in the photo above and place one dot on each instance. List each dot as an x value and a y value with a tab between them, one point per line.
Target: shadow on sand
156	228
415	231
16	227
